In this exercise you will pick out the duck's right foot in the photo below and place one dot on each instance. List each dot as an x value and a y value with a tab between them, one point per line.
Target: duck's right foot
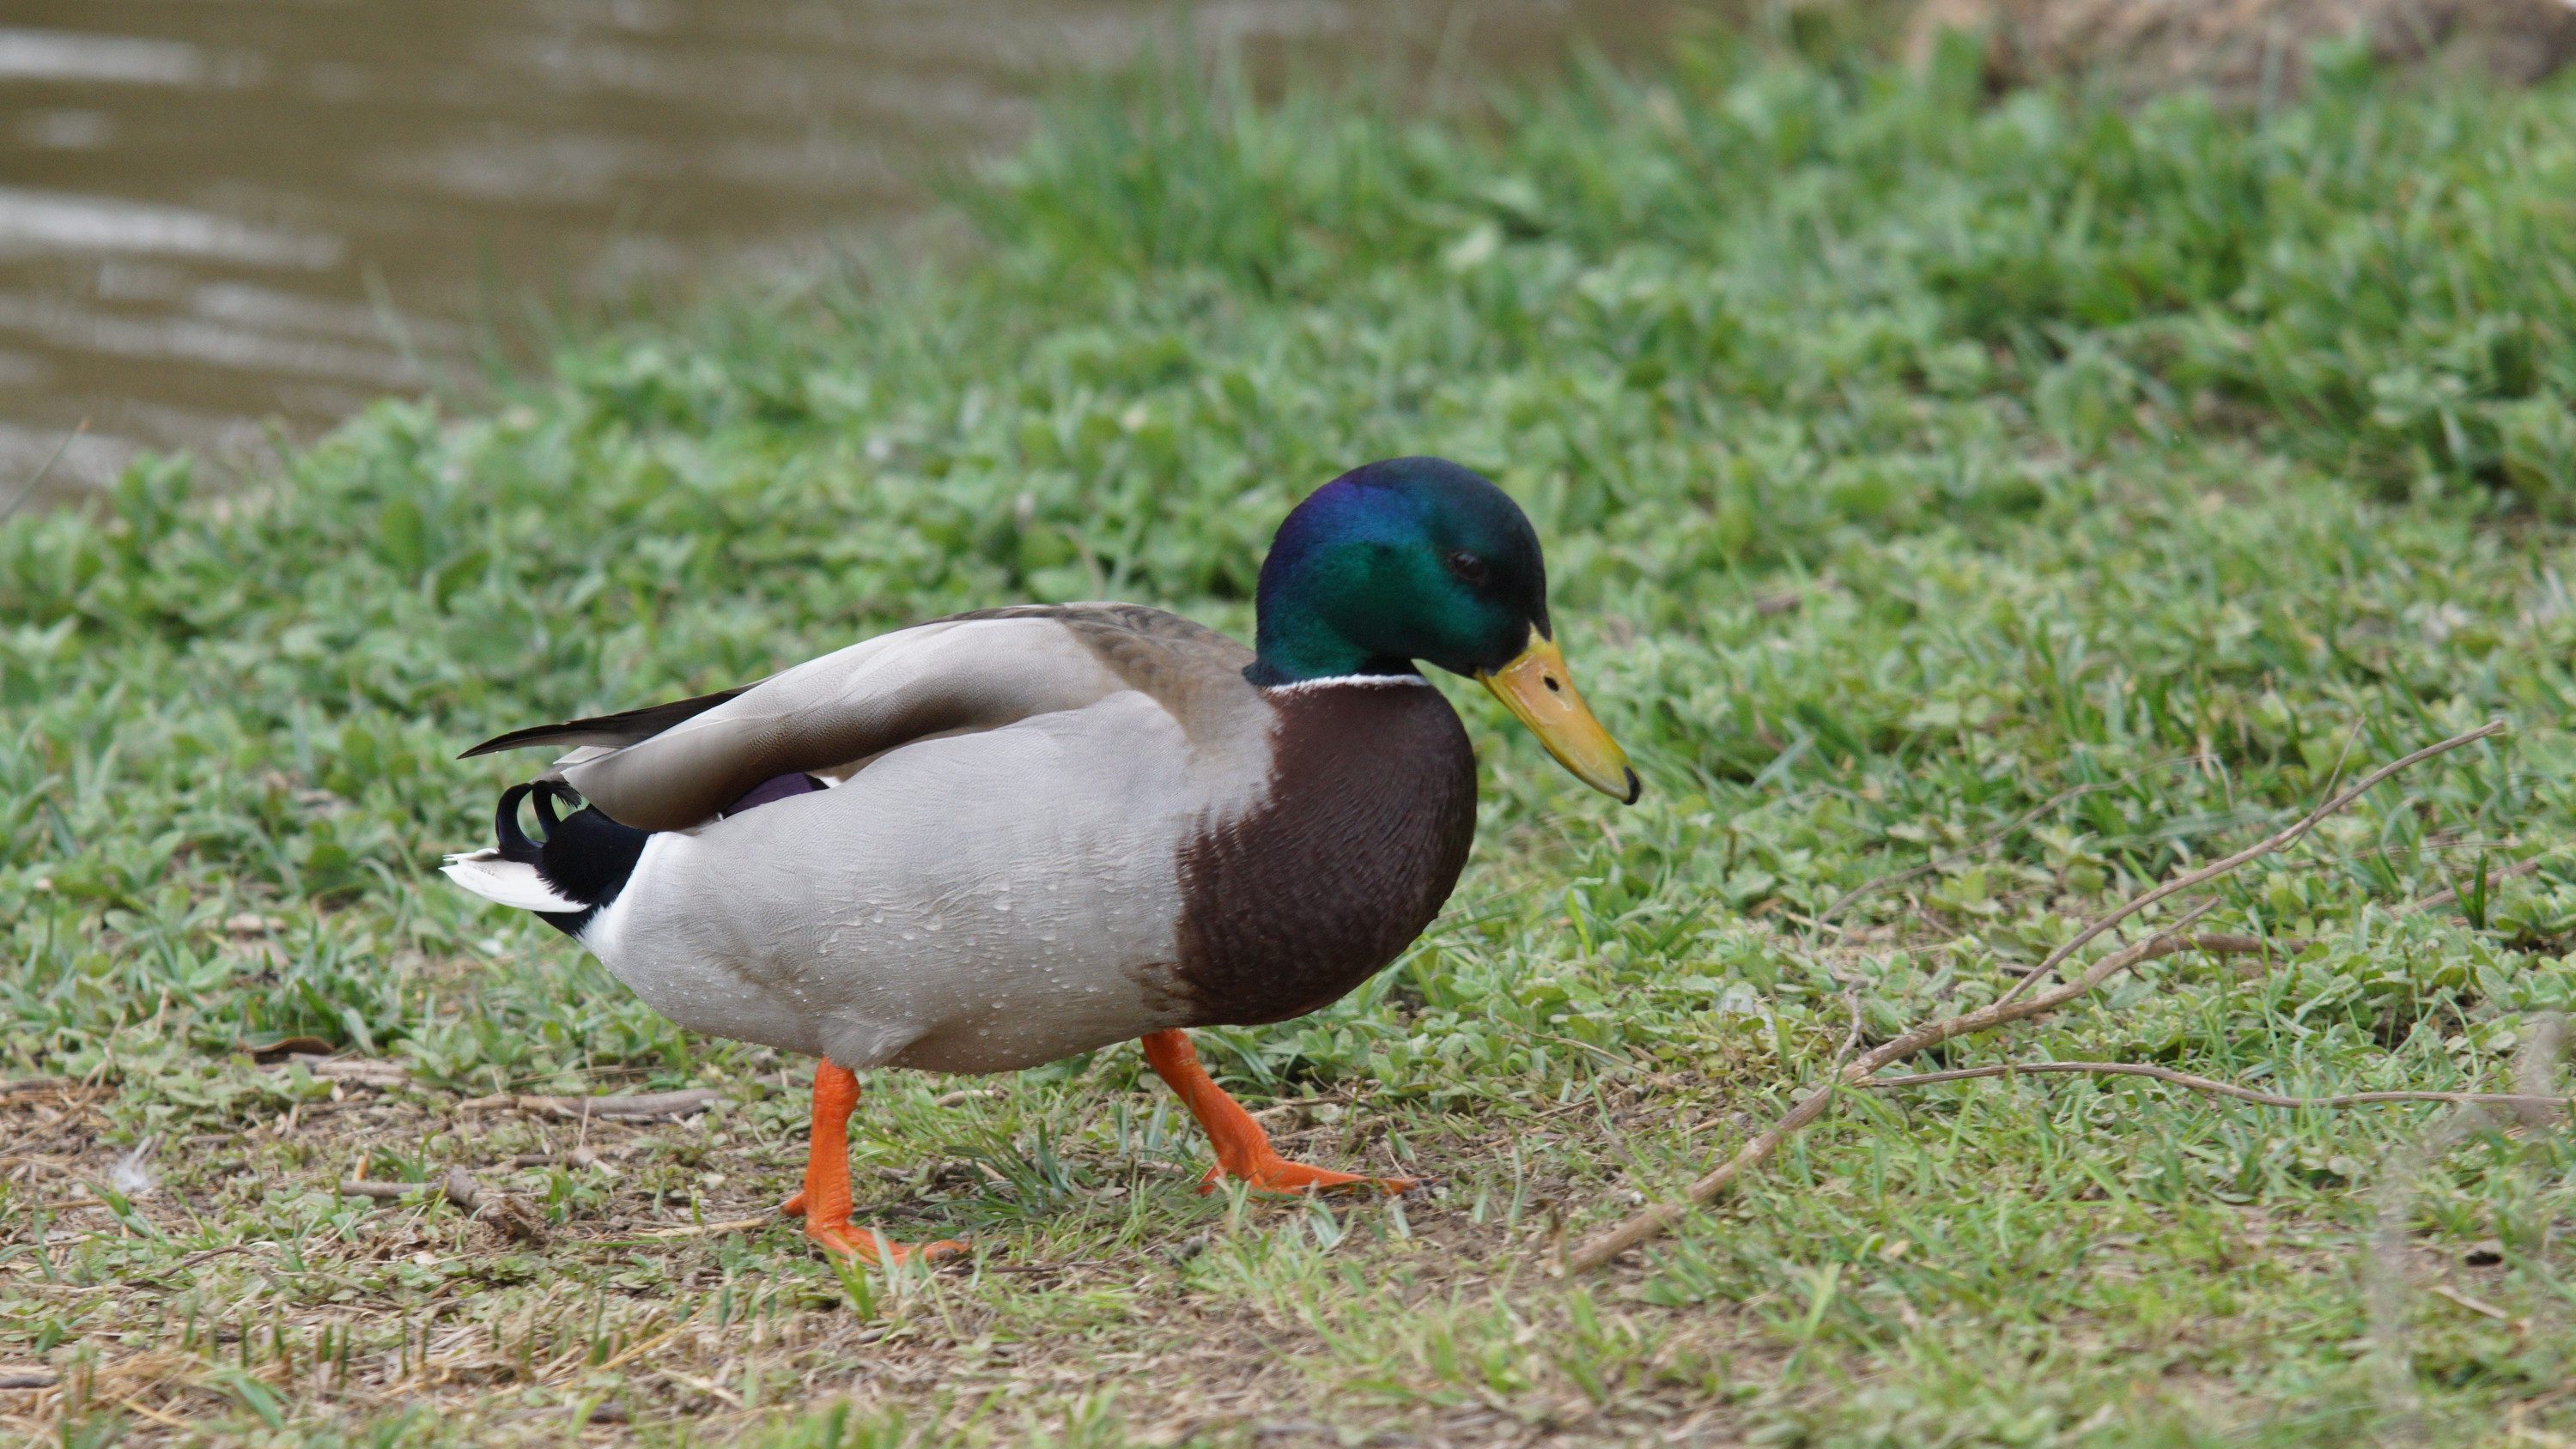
1243	1150
1269	1172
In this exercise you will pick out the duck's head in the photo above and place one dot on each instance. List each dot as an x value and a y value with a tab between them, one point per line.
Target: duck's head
1421	559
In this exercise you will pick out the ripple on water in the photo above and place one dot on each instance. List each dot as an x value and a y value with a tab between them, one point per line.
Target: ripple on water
217	215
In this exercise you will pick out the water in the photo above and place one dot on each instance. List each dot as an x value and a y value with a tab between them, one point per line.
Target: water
223	219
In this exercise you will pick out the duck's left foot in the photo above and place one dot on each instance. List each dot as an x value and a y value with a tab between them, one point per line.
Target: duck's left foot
825	1202
1271	1172
1243	1150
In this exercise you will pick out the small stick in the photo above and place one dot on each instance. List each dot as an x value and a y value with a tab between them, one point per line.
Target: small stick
2277	840
1604	1246
2450	895
2228	943
648	1105
578	1157
457	1186
700	1230
2072	792
1851	1040
2217	943
2475	1305
460	1189
383	1191
1765	605
158	1416
2538	1067
2222	1089
29	490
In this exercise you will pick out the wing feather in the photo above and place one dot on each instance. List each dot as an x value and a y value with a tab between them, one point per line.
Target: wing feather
624	728
942	678
510	882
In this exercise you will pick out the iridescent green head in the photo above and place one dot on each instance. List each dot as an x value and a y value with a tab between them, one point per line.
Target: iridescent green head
1413	558
1421	559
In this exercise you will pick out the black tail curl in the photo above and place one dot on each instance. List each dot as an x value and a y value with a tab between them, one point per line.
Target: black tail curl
585	856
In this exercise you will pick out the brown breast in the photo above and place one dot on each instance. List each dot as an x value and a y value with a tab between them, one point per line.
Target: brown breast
1371	809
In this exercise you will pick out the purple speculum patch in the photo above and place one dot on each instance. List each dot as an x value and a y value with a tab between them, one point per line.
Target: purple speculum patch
775	788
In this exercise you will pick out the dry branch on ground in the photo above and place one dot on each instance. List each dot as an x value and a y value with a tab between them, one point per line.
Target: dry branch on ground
2217	1088
1661	1217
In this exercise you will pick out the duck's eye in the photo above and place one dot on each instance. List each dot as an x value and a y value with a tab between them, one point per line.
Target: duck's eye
1473	570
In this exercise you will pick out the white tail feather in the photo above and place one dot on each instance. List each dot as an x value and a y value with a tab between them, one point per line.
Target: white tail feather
510	882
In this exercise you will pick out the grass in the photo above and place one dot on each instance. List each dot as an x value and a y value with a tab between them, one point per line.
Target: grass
1910	462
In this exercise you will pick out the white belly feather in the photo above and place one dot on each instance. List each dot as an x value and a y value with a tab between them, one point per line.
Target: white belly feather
978	903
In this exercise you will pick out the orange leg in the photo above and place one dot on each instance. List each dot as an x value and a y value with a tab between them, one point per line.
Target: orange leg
825	1202
1242	1148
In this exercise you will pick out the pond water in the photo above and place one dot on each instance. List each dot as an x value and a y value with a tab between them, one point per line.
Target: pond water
223	218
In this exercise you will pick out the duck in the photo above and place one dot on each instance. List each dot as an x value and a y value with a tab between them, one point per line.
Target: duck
1002	838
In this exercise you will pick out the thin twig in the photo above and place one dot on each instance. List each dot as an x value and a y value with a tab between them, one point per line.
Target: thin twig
1765	605
2218	943
1661	1217
649	1105
578	1157
458	1187
2219	1088
2475	1305
1851	1039
1826	916
2536	1066
37	1084
2450	895
2387	1269
385	1191
2275	841
29	490
2386	1265
700	1230
1602	1248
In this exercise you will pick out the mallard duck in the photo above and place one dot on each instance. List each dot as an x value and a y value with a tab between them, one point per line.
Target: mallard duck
999	839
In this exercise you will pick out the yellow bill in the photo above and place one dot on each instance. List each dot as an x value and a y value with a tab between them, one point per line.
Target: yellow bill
1537	689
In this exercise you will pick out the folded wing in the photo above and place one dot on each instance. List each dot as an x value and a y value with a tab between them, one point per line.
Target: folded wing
612	730
673	766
